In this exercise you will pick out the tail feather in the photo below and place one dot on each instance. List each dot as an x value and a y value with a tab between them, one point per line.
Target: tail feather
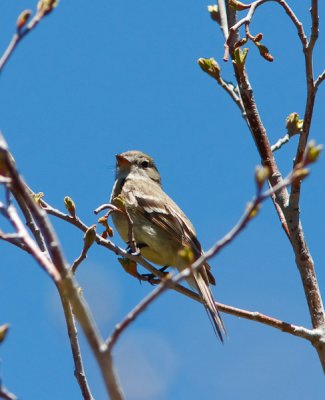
210	305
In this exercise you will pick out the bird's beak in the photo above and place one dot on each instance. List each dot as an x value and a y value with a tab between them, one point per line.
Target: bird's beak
122	161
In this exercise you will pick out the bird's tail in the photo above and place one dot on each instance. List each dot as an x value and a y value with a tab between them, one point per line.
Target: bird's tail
205	292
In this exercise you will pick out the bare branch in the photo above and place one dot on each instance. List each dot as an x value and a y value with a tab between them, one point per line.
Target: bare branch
277	146
314	25
36	232
23	29
247	19
56	265
89	238
320	79
289	209
5	394
75	348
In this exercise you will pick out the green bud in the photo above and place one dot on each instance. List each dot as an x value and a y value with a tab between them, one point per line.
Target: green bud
262	174
294	124
254	211
70	206
312	152
299	174
210	66
38	197
90	236
240	57
44	7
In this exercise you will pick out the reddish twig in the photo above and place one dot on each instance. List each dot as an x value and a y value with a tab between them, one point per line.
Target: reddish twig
289	209
247	20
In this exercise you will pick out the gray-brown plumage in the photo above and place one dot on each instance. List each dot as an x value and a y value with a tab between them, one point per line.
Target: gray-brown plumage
160	227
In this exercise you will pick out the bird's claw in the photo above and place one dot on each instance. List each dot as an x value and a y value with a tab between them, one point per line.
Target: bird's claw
134	250
153	279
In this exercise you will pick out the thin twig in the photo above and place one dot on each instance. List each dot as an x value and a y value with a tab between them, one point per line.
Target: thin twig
30	221
276	146
79	260
14	239
319	79
21	33
40	257
247	19
5	394
256	316
223	18
314	25
310	99
76	353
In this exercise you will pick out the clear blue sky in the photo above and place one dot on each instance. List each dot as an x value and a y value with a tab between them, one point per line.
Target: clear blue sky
98	78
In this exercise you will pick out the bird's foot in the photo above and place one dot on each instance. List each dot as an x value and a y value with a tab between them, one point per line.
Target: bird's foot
153	279
133	249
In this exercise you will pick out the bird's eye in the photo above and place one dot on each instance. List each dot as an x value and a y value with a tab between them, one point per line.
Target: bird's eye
145	164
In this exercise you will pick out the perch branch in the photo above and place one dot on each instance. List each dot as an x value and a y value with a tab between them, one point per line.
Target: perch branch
169	282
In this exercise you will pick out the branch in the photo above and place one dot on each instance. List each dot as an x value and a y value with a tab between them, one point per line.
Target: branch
89	238
212	68
320	79
75	348
44	8
247	20
288	211
14	239
277	146
11	213
169	282
315	24
5	394
36	232
256	316
56	265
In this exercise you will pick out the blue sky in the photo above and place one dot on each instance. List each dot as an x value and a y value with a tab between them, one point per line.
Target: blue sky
95	80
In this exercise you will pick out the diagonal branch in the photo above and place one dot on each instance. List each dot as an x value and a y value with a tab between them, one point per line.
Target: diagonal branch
170	282
23	28
65	282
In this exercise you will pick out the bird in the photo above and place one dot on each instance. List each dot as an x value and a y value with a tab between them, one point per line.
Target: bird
160	228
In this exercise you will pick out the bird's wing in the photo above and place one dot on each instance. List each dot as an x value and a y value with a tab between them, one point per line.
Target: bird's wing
164	212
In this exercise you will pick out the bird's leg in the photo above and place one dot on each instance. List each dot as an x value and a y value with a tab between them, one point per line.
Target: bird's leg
133	248
153	279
